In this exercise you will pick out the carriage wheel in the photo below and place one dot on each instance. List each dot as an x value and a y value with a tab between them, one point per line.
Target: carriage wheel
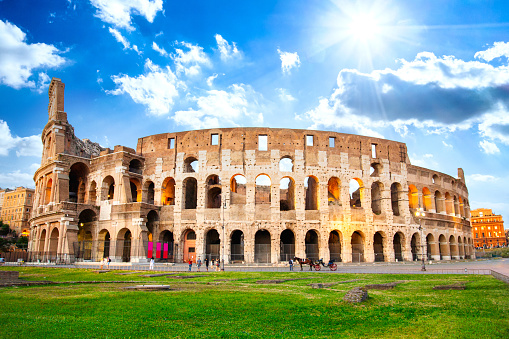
333	267
317	267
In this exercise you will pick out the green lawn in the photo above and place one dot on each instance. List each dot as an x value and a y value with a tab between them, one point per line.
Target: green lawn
241	308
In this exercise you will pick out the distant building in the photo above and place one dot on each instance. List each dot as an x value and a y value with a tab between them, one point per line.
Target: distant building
487	228
2	193
16	209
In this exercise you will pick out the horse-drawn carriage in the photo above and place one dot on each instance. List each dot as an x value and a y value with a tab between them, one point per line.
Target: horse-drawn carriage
316	265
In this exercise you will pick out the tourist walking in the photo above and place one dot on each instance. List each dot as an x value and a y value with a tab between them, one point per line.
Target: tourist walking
291	264
151	264
190	264
217	265
108	262
102	263
198	264
207	264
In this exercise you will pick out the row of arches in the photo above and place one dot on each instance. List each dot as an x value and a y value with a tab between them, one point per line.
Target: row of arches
438	202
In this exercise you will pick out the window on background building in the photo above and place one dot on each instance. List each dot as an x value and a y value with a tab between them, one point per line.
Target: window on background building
373	150
262	142
214	139
332	142
171	143
309	140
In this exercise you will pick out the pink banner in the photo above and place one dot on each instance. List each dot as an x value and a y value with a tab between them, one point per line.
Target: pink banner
150	249
158	250
165	251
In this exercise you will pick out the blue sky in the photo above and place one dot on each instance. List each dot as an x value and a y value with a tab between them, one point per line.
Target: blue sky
432	74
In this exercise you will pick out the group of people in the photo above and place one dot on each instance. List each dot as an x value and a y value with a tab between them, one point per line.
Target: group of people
216	263
106	262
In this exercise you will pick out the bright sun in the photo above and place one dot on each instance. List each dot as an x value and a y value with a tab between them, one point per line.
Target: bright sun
364	27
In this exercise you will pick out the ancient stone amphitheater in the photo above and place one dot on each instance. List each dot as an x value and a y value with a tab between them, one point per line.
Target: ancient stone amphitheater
254	195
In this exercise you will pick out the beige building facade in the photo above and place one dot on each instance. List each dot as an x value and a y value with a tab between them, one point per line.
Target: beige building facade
487	229
255	195
17	209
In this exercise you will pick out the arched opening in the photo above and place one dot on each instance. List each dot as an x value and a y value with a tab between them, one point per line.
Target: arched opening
461	207
430	248
189	246
108	188
376	197
152	221
414	246
53	244
167	244
237	246
453	248
190	193
262	190
456	205
449	206
213	192
287	194
92	193
47	196
461	248
86	224
397	245
357	243
356	191
439	202
124	244
287	243
443	247
135	190
135	166
334	191
311	242
168	192
335	246
103	247
413	196
375	170
286	164
396	198
238	190
212	245
262	247
378	247
311	188
42	242
191	165
77	179
426	199
150	187
435	179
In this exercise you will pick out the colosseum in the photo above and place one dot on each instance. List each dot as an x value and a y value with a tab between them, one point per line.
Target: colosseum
251	195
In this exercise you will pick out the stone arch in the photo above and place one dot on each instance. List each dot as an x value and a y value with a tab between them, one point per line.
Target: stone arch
238	190
439	202
415	246
375	170
213	185
456	205
287	245
237	246
168	243
262	253
108	188
135	166
135	186
461	248
398	245
443	247
426	199
168	191
356	192
378	246
453	247
287	194
92	193
53	243
335	239
189	245
449	205
357	243
149	187
461	207
397	198
152	222
86	227
311	188
104	244
77	181
413	196
286	164
334	191
212	244
431	248
435	179
312	245
262	189
376	197
189	193
191	165
47	191
124	238
42	241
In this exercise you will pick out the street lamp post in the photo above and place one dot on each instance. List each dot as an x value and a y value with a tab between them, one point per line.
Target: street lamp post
419	213
223	241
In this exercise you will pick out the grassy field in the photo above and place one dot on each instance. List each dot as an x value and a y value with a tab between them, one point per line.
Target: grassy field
234	305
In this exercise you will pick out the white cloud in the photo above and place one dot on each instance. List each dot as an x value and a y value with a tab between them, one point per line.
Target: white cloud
446	144
226	50
495	125
210	79
190	61
489	147
159	50
119	12
16	179
120	38
24	146
288	60
157	89
481	177
19	59
425	160
284	95
219	108
499	49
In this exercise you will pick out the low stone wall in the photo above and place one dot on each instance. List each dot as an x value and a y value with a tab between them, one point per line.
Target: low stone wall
500	276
